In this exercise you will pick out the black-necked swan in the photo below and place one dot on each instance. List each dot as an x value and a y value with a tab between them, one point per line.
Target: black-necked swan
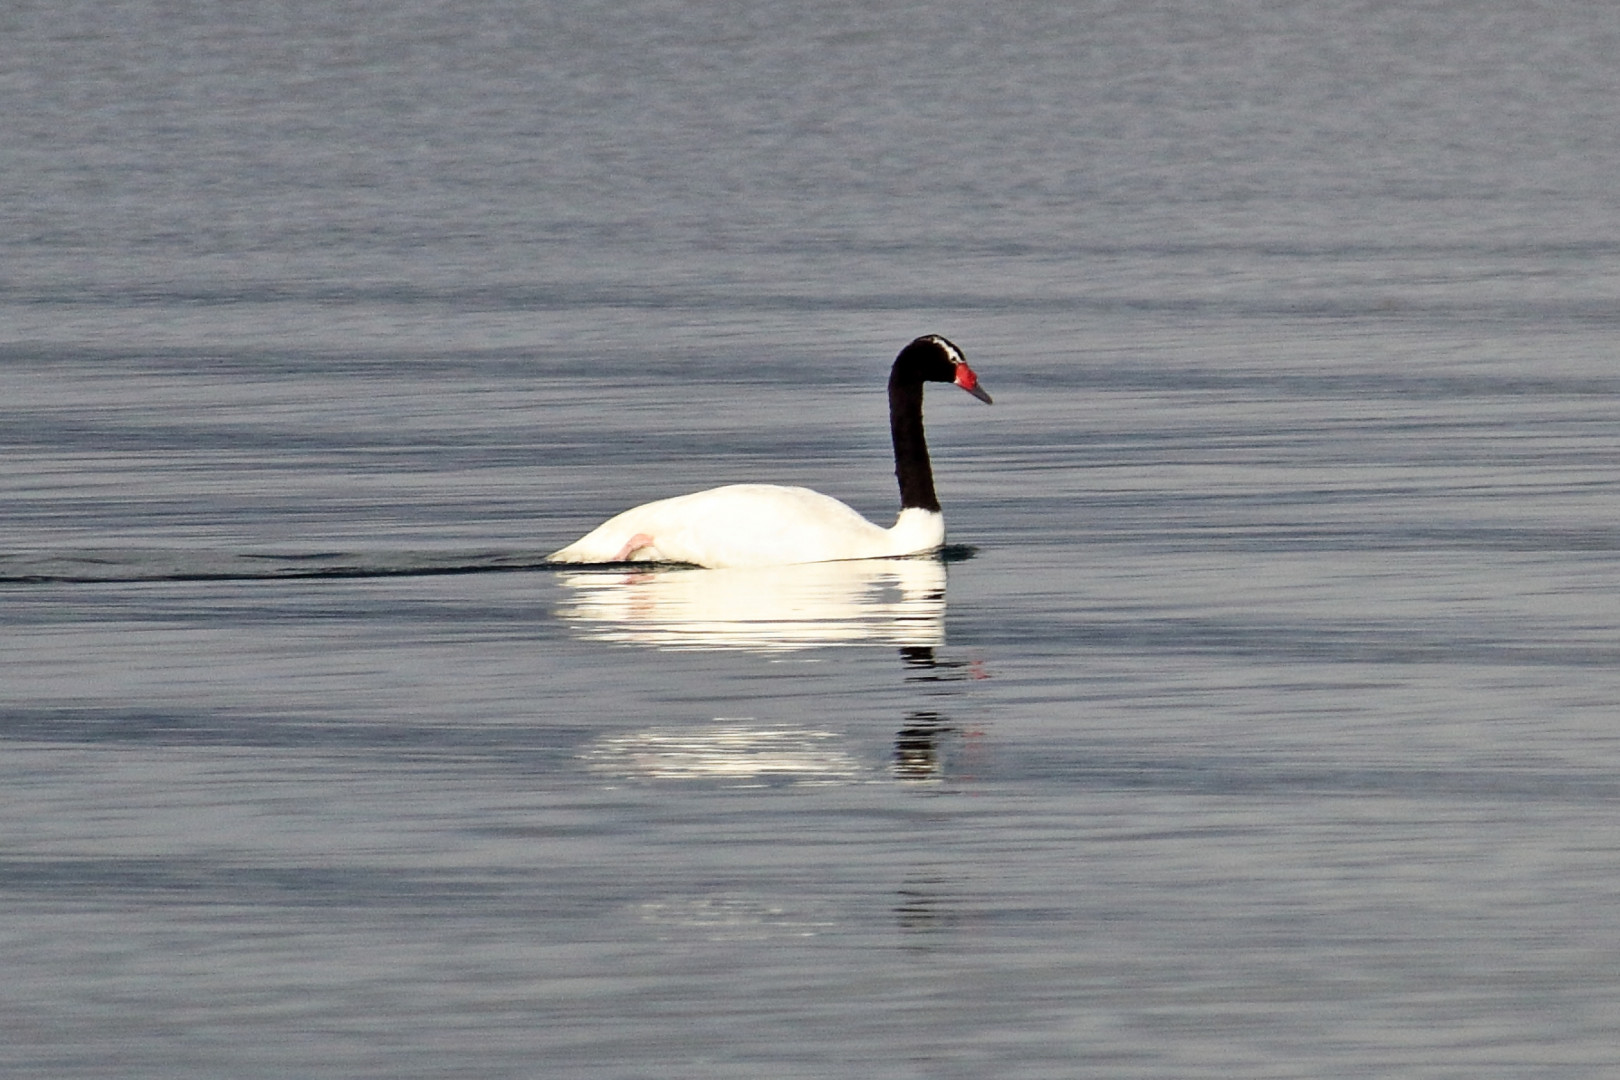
770	525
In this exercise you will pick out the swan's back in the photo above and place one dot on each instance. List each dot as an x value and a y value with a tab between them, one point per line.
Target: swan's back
751	525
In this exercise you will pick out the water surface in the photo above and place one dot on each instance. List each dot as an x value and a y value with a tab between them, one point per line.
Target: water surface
1260	720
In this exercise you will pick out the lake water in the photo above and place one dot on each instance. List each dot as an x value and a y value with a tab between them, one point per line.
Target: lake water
1262	719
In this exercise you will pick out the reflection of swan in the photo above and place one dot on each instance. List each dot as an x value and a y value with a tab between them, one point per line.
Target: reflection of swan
737	752
726	915
865	602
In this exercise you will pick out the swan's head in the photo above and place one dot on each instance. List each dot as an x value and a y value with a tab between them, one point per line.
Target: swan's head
932	358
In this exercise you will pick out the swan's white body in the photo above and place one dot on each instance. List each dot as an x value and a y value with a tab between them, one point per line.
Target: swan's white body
752	525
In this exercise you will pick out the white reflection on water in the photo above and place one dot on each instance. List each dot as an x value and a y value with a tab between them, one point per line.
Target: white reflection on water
728	751
730	916
866	602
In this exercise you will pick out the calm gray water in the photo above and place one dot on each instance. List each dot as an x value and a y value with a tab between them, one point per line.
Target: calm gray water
1260	722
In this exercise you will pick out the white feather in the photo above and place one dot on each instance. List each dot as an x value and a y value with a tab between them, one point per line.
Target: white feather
752	525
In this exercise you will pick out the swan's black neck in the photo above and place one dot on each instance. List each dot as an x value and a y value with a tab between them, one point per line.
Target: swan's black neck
911	466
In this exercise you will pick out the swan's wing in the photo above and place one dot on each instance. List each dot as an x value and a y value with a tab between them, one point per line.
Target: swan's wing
737	525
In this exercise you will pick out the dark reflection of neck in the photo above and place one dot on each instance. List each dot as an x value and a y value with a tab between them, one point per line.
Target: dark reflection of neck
923	666
916	749
917	656
925	909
